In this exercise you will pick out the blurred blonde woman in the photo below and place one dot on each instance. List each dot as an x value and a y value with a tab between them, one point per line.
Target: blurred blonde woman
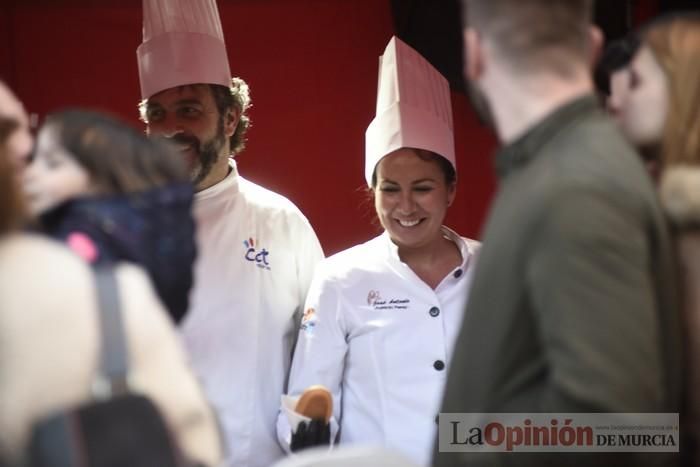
662	117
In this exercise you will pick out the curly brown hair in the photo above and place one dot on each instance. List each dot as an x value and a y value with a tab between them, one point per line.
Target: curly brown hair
236	97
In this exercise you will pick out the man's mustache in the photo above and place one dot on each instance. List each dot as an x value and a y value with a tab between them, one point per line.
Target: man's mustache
181	139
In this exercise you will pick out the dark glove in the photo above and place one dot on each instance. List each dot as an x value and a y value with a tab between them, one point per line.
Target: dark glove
315	433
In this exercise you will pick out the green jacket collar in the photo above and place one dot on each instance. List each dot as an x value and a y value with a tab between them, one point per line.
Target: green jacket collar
527	146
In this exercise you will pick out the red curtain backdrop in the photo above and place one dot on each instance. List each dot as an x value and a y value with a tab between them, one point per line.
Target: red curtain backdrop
312	69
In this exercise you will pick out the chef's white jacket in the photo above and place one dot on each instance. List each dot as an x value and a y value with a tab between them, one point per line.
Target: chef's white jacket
380	339
256	257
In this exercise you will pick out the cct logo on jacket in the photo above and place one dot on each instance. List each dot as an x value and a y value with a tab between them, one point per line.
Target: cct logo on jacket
260	258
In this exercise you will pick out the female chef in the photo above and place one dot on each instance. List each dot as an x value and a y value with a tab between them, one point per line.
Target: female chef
381	317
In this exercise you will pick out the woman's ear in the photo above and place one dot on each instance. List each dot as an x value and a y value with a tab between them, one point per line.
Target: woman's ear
451	193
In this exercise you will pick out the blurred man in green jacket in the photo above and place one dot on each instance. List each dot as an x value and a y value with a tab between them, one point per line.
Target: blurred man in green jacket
573	307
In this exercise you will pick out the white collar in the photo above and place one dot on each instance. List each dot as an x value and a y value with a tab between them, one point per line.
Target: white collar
465	249
229	184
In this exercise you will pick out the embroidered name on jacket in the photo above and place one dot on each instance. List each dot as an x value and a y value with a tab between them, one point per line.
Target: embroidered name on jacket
259	257
375	300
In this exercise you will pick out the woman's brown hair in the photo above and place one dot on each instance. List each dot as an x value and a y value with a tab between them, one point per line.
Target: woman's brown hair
675	43
118	158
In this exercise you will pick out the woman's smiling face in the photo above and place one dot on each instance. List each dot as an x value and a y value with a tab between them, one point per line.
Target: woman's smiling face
411	197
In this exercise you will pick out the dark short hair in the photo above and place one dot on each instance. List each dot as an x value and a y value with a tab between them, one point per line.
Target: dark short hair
446	166
617	55
118	158
551	33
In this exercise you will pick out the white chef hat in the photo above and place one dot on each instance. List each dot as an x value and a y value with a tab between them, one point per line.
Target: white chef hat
413	108
183	43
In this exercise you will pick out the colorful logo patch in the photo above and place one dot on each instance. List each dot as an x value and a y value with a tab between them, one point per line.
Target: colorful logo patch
258	256
308	314
308	321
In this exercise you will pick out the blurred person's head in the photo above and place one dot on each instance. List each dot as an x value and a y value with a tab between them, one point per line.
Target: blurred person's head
662	111
113	194
542	48
83	153
612	76
19	140
534	35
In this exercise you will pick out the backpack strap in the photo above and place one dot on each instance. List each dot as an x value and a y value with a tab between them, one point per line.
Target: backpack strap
112	377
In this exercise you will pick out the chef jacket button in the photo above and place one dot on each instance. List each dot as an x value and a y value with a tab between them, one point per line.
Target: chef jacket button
458	273
434	311
439	365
